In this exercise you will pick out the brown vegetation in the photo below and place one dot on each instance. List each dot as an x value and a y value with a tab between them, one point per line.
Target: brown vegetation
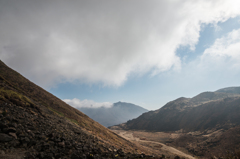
218	143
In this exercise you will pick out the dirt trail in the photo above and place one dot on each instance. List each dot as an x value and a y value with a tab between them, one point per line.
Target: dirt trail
129	136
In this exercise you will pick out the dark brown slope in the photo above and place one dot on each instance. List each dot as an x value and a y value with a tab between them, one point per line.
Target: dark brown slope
40	96
41	125
205	111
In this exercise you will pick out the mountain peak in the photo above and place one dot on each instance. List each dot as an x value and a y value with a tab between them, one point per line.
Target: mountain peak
119	113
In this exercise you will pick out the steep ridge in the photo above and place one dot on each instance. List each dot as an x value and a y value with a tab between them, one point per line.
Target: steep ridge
36	124
205	111
119	113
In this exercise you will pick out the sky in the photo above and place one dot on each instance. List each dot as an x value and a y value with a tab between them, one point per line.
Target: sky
93	53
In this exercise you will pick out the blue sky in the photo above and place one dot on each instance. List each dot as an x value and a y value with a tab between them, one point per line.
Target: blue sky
92	53
152	92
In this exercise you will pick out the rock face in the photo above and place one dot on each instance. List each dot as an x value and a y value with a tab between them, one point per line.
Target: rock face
5	137
205	111
119	113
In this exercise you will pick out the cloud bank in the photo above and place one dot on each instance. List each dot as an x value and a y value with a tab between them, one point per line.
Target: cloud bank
105	41
222	59
217	67
76	103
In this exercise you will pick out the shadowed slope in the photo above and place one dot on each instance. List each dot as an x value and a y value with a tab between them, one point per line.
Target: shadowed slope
204	111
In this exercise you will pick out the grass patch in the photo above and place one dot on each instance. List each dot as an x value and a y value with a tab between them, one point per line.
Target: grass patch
73	121
62	115
10	94
56	112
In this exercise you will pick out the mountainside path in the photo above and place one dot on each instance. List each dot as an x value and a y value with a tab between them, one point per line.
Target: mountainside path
162	147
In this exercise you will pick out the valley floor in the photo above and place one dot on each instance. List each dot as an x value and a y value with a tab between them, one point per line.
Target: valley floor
216	143
154	140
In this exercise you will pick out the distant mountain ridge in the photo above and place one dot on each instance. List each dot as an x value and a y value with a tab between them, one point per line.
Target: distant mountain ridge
119	113
204	111
234	90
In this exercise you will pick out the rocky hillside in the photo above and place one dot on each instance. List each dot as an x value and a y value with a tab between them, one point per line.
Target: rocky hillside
119	113
205	111
36	124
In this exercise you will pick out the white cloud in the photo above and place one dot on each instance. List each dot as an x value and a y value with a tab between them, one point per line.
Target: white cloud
217	67
224	53
76	103
102	41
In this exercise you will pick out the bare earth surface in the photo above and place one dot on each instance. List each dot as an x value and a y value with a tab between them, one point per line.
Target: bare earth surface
144	138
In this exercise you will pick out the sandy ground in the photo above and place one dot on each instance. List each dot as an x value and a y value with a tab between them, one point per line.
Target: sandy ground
162	147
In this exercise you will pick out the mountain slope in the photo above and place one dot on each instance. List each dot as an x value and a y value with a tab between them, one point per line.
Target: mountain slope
234	90
119	113
204	111
35	123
